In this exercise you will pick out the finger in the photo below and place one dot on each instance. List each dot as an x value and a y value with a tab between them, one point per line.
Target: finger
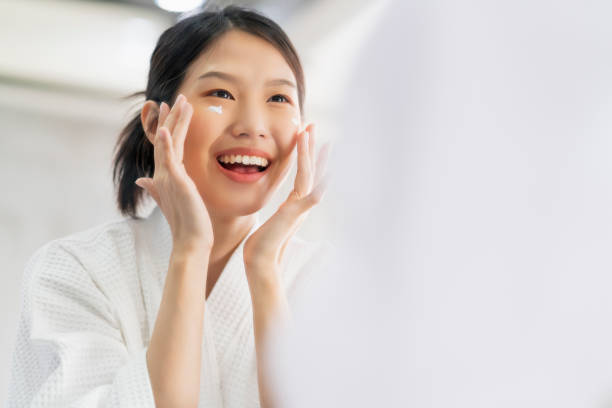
163	113
168	157
322	161
298	208
147	184
180	130
174	114
311	143
162	152
316	195
302	176
158	148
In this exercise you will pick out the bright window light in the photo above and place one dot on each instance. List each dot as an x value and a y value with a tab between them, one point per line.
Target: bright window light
179	5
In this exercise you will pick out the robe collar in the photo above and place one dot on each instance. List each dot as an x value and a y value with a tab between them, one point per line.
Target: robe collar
159	237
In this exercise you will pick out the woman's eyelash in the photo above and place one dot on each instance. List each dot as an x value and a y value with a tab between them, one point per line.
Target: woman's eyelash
219	92
285	99
222	93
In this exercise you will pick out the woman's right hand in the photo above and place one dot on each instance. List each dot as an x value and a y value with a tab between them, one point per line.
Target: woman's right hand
171	187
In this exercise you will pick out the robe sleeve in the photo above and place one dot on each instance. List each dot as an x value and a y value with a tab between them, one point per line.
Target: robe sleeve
69	350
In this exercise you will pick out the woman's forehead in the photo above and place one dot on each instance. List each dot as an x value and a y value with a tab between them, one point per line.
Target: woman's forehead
244	56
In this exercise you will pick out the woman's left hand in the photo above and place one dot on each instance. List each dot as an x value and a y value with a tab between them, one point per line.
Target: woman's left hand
263	250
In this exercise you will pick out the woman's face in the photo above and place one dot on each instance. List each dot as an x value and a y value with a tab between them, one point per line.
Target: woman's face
244	95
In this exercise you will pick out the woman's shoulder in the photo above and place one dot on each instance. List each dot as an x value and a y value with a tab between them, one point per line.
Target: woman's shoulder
95	241
76	256
80	282
110	231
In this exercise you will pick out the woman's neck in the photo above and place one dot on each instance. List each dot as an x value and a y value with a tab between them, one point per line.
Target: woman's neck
228	233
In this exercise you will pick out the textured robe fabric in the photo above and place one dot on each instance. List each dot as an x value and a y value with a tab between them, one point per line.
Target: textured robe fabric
89	304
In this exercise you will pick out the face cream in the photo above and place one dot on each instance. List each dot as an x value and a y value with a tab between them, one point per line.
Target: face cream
216	109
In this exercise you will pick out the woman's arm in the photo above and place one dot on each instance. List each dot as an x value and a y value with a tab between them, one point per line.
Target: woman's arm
264	249
270	312
174	354
271	307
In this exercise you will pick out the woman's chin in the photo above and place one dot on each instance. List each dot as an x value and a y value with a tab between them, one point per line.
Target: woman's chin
239	207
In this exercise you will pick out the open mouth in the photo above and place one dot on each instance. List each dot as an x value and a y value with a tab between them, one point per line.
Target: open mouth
244	164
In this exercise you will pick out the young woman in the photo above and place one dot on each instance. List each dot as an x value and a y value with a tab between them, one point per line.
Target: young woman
174	310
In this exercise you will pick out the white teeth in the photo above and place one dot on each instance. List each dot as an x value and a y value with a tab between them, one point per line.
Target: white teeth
248	160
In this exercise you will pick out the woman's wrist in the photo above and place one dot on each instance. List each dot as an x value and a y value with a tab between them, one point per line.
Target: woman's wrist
187	258
264	285
191	250
262	276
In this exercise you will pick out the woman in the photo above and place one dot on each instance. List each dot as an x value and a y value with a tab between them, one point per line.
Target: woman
174	310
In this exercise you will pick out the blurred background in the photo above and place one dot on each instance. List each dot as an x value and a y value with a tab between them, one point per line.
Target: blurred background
65	67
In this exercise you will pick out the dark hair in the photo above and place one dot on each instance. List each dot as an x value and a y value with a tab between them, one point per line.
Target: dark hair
176	49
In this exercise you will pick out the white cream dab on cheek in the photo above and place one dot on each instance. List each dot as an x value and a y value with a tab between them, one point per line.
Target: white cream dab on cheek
295	121
216	109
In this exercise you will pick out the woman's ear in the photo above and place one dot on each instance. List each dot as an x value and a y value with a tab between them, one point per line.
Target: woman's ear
148	118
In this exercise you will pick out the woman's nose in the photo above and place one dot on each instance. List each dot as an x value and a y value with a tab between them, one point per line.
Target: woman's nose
250	120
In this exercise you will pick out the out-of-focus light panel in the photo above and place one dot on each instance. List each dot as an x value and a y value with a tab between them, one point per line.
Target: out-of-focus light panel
179	5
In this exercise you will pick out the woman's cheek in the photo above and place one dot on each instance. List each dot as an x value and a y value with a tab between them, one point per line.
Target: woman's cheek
286	137
207	120
290	120
216	110
288	125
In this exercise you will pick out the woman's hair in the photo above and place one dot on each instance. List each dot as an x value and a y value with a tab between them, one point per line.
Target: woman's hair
176	49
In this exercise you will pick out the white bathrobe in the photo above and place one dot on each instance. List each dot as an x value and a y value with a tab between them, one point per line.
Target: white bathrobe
90	301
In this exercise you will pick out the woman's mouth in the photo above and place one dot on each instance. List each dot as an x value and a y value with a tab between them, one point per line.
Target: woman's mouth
243	168
243	164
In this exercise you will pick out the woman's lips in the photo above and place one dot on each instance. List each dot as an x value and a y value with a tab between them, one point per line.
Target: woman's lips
242	177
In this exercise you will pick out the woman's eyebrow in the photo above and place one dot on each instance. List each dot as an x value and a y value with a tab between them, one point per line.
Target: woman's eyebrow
218	74
280	81
231	78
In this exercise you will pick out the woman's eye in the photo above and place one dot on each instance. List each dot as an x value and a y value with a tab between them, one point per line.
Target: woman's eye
222	94
279	98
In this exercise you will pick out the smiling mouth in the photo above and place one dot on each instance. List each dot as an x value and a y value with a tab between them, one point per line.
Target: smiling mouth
244	166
